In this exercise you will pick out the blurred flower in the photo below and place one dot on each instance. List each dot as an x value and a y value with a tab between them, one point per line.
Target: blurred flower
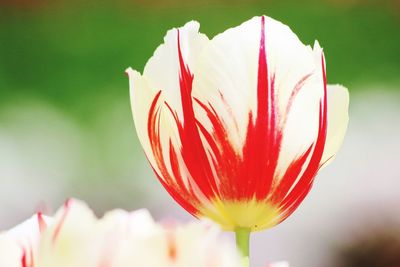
19	245
237	127
119	239
279	264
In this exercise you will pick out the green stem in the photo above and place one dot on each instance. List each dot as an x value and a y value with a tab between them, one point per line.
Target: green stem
242	243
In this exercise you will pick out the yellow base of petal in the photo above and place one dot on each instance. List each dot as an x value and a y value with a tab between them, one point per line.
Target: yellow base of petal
251	214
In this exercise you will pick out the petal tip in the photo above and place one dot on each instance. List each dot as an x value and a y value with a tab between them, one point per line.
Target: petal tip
192	24
317	46
129	71
340	87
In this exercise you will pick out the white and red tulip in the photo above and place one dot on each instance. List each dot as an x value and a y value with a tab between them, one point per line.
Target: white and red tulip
237	127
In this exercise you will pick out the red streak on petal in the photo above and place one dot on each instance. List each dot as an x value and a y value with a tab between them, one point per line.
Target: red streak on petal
241	177
183	197
290	176
300	190
172	182
24	259
261	150
226	161
193	151
299	85
289	209
27	259
191	167
41	222
67	206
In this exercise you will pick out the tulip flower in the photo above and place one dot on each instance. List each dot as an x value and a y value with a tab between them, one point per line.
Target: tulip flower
119	239
237	127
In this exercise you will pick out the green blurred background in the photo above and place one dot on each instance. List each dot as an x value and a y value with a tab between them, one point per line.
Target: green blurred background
66	127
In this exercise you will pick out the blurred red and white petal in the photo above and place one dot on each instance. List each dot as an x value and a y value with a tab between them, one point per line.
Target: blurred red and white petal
21	242
119	239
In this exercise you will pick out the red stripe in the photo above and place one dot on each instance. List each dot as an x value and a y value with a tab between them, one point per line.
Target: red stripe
41	222
226	161
290	176
24	260
27	259
299	85
193	151
261	149
171	182
304	184
57	230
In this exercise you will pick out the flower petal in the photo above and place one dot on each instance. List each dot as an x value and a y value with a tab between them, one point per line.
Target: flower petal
157	128
227	72
10	252
166	84
30	229
263	84
142	96
66	242
338	118
138	223
22	240
301	120
162	71
226	78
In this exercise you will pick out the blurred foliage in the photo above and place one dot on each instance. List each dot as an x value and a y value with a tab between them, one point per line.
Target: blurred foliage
74	54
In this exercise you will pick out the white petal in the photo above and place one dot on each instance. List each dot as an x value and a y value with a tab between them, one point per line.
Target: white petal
10	252
71	240
29	229
142	97
139	222
226	77
338	118
228	67
23	238
301	117
289	61
162	70
194	245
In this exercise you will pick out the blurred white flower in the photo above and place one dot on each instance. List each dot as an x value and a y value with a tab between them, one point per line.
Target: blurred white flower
279	264
119	239
19	245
